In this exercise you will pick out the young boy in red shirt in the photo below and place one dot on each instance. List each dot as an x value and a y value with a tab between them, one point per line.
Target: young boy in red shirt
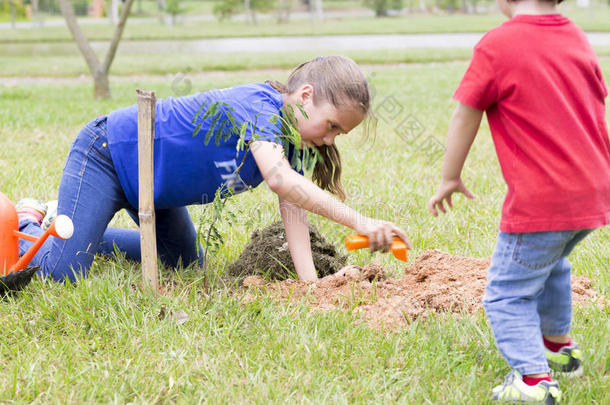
540	84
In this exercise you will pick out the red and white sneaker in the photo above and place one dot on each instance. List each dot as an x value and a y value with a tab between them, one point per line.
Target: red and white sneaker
31	209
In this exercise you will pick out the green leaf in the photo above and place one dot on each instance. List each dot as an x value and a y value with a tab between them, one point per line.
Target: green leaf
211	129
196	131
300	107
198	112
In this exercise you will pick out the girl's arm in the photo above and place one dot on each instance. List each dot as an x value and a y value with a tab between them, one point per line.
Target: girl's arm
298	190
297	236
463	128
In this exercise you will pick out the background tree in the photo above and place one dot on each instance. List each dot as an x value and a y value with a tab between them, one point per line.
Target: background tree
172	9
260	6
113	11
382	7
36	17
225	9
15	8
99	70
283	10
316	10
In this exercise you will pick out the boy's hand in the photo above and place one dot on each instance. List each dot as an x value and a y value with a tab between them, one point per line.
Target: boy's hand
443	193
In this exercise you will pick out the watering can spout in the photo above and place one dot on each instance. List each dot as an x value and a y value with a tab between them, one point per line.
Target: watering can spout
10	262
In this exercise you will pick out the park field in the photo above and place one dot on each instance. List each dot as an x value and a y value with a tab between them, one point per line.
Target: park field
103	340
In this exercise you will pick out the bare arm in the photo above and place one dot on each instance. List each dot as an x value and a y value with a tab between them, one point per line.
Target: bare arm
463	128
298	190
297	236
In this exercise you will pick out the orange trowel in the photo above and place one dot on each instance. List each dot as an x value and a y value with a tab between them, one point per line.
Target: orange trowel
398	247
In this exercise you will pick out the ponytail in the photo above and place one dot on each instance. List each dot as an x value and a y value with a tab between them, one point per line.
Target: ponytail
327	171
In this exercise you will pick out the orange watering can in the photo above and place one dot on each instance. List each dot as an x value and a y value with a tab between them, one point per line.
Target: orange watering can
399	247
13	272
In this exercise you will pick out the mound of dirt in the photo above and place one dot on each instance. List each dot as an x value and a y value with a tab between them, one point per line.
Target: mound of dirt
436	282
267	255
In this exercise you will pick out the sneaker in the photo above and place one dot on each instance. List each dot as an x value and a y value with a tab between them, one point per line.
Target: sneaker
515	391
32	209
50	215
567	361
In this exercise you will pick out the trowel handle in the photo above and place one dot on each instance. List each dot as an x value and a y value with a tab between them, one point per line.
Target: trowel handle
398	247
353	242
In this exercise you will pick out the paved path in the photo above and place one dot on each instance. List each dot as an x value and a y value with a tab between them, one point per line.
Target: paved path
319	43
307	43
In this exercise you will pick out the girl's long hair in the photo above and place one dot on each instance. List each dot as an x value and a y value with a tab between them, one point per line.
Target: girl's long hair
338	80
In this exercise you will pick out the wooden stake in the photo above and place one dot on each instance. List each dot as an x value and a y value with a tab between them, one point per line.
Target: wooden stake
146	209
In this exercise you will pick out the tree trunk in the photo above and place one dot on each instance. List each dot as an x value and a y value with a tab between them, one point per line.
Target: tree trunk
78	35
101	86
289	10
247	11
281	11
98	70
13	14
116	38
162	5
317	12
36	18
114	12
467	7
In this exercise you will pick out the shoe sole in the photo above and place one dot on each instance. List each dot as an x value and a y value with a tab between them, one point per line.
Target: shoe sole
570	374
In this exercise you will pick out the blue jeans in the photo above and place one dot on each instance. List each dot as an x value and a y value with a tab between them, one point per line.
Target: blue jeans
528	294
90	194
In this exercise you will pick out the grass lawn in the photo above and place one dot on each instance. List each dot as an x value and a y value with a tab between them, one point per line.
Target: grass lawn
103	340
594	20
125	64
73	65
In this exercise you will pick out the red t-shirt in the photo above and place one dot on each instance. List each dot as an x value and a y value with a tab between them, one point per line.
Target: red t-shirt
540	83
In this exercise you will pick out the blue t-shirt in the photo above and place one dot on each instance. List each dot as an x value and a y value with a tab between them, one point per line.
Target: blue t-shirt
187	169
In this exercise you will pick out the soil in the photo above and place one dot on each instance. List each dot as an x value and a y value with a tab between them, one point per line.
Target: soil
267	255
436	282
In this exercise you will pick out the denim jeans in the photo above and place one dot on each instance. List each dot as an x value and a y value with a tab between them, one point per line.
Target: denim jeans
90	194
528	294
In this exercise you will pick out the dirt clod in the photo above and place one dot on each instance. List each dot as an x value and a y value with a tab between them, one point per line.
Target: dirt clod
436	282
267	255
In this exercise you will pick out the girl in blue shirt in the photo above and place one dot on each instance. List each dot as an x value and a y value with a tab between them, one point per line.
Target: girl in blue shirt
195	154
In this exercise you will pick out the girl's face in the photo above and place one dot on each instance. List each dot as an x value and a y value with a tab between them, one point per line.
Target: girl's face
324	121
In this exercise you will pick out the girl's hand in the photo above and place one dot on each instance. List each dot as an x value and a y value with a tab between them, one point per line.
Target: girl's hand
443	194
380	233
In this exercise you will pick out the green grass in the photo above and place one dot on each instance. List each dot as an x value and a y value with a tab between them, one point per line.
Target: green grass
74	65
596	20
102	340
125	65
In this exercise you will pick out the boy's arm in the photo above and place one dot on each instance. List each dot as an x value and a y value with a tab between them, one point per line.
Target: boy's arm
297	236
463	128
